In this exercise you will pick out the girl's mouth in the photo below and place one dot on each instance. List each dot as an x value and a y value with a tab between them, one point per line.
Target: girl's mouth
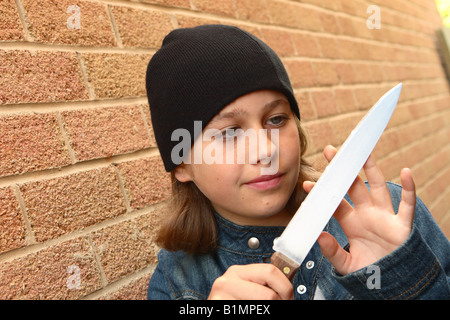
265	182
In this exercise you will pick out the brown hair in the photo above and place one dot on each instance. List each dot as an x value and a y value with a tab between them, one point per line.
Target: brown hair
190	224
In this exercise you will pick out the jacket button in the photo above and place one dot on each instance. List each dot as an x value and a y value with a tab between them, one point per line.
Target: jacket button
301	289
253	243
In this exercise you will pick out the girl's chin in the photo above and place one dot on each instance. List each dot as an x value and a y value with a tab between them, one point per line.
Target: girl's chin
259	215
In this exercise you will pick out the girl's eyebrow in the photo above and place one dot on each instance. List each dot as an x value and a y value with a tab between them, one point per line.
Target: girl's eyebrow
238	112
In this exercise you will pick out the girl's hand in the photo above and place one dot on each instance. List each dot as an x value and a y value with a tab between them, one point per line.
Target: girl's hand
260	281
372	228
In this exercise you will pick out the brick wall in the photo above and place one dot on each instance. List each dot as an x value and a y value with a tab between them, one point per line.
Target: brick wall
81	182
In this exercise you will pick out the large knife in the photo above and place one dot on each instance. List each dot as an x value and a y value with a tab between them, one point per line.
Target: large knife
316	210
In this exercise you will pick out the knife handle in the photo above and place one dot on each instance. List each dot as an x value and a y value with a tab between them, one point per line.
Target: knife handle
286	265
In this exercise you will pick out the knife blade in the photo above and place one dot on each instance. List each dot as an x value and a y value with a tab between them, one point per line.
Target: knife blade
316	210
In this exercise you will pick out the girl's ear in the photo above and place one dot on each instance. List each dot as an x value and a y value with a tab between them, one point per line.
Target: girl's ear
182	173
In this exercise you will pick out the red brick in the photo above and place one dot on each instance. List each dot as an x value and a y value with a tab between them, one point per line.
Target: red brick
329	47
115	75
321	134
368	96
12	231
305	45
307	110
148	121
245	10
309	18
354	8
412	131
145	181
185	21
400	116
346	25
134	33
224	7
434	188
301	73
48	22
329	22
438	209
362	72
393	73
172	3
377	73
31	142
317	161
104	132
421	109
325	73
390	166
40	77
10	25
389	142
345	100
345	72
135	290
361	30
63	205
127	247
47	273
343	125
279	41
352	49
284	13
324	102
333	5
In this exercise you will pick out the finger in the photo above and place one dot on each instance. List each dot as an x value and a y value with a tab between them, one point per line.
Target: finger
331	249
235	288
342	211
358	191
256	290
408	202
269	276
329	152
378	187
308	185
359	194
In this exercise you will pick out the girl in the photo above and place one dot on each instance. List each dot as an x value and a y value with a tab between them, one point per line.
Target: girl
226	210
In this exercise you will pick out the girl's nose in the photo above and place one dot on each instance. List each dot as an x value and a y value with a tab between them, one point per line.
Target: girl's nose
268	146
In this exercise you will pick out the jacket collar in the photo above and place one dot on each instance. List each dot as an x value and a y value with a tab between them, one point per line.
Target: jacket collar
235	238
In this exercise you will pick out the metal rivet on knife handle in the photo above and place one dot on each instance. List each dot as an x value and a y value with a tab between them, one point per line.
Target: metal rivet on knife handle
286	265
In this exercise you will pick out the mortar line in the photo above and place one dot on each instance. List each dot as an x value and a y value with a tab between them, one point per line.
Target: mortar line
114	28
84	232
123	189
29	236
66	138
82	166
115	286
45	107
24	21
144	118
97	260
234	20
86	77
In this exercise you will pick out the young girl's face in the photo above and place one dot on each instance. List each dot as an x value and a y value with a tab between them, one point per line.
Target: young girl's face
251	161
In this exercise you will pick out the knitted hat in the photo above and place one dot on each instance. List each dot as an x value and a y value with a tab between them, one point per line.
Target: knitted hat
198	71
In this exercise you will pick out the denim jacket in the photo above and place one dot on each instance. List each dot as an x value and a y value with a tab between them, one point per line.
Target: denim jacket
418	269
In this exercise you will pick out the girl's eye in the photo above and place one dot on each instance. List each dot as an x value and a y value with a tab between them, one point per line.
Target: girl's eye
276	121
229	133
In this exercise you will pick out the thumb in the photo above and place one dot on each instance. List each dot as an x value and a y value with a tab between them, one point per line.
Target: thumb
331	249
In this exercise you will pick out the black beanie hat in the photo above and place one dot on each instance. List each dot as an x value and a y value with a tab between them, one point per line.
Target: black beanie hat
198	71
